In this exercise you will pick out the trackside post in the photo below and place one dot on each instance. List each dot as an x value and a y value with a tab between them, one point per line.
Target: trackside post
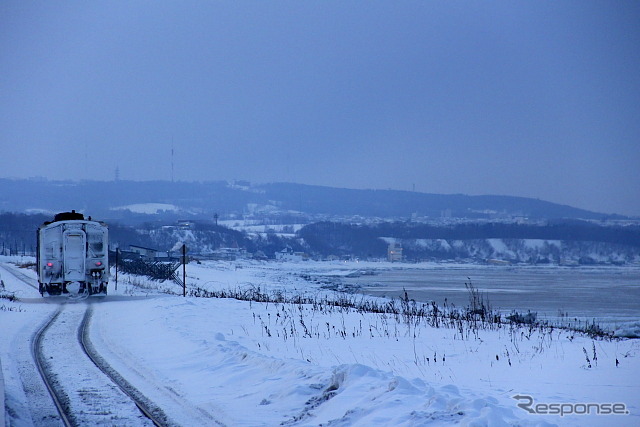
184	270
117	253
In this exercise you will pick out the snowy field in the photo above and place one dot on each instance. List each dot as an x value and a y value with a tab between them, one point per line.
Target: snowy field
242	363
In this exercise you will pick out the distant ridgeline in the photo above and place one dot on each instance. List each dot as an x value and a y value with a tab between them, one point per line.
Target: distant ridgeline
568	241
494	227
200	200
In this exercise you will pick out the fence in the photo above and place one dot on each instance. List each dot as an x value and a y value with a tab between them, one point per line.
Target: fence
133	263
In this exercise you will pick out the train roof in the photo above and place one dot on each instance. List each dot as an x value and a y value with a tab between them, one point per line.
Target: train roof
69	216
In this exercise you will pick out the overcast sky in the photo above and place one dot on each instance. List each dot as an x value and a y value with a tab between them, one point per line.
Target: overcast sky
536	99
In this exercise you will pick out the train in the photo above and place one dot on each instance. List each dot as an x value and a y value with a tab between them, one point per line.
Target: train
73	255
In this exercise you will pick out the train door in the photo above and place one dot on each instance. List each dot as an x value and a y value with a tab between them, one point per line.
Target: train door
74	255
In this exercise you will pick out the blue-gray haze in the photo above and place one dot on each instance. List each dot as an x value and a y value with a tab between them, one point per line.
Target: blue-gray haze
537	99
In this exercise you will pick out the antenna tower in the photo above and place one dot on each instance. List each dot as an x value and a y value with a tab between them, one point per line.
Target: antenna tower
172	159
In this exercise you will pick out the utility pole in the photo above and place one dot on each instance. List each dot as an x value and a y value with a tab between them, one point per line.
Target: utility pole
117	256
184	270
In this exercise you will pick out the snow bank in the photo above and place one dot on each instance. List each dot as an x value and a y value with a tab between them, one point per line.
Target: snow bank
211	353
358	395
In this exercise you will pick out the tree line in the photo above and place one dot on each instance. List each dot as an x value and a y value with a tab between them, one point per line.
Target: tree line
365	240
18	235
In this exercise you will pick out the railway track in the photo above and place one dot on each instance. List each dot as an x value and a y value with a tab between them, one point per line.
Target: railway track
38	357
83	387
144	405
86	386
21	276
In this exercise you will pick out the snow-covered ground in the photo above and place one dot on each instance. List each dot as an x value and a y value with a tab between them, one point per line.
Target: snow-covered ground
262	364
148	208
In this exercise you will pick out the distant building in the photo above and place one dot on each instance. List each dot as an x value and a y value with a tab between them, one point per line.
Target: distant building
229	254
287	254
185	224
147	253
394	252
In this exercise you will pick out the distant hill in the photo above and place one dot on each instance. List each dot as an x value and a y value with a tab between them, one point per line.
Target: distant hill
135	201
393	203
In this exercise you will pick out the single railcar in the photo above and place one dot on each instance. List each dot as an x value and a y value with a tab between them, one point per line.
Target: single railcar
73	256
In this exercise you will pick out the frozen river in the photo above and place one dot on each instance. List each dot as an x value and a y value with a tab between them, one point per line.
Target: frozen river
611	295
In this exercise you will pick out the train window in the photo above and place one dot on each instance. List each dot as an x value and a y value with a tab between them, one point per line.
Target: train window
96	247
95	241
95	244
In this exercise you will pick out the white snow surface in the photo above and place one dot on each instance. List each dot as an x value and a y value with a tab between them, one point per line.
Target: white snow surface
228	362
500	248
